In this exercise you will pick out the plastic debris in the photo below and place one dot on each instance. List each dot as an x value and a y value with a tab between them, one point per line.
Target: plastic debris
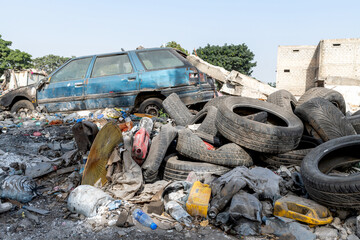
178	213
19	188
86	200
144	219
114	205
198	200
303	210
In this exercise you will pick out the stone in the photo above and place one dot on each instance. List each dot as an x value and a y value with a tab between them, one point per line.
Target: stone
343	214
267	208
350	225
326	233
155	207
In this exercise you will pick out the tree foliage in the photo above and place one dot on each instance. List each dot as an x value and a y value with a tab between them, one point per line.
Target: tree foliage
273	84
231	57
175	45
12	59
49	62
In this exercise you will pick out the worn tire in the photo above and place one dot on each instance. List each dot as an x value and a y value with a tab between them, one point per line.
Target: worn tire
333	96
254	135
22	104
229	155
151	106
207	118
177	110
326	119
293	157
209	138
356	113
355	122
158	148
178	170
216	101
333	191
283	99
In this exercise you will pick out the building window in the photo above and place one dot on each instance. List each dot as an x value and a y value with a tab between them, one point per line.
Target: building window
336	44
296	50
286	70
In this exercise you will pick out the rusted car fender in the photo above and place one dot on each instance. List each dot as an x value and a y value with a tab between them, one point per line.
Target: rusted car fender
21	93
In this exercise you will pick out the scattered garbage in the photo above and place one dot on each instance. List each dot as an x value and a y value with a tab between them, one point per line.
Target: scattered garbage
240	164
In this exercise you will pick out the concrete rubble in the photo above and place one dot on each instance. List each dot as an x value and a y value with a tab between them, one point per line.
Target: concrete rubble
44	158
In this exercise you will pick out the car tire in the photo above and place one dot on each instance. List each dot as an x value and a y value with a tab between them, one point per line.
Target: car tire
229	155
356	113
283	99
281	133
177	110
293	157
326	119
158	148
216	101
207	118
22	104
355	122
329	190
178	170
333	96
151	106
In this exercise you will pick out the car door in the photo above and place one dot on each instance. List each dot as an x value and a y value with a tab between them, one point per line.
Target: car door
65	90
113	82
162	69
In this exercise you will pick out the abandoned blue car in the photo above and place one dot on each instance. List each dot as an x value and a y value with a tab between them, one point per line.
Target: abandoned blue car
138	80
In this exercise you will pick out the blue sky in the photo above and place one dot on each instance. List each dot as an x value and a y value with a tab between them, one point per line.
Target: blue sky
76	28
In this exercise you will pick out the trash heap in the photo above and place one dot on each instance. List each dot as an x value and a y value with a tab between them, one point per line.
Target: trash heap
279	167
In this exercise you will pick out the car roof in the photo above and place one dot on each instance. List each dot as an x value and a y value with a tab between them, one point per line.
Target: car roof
115	53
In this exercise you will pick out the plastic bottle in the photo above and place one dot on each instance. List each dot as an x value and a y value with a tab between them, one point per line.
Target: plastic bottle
178	213
144	219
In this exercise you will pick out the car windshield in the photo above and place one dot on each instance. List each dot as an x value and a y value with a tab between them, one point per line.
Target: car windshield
153	60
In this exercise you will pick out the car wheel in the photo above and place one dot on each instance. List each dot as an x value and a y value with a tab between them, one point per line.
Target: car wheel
151	106
283	99
25	104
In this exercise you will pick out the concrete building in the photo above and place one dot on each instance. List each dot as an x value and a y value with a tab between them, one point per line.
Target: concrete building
333	62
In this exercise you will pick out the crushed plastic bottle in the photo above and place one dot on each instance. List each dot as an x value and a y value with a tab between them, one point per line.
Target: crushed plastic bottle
144	219
178	213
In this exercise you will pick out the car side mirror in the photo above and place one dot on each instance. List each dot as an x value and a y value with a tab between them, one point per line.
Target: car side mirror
41	83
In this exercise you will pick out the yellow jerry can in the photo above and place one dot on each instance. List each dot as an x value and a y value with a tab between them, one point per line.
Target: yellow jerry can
198	201
303	210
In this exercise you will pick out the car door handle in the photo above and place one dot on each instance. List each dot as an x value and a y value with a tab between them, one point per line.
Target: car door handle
131	78
78	84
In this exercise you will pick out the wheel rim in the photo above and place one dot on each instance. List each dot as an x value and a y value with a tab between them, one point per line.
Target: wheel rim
152	109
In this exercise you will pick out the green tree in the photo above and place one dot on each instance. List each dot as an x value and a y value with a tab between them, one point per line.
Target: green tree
175	45
231	57
49	62
12	59
273	84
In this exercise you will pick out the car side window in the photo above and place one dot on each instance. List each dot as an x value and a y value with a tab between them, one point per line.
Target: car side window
111	65
75	69
153	60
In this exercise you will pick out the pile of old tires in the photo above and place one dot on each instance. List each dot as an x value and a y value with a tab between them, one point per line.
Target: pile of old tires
313	133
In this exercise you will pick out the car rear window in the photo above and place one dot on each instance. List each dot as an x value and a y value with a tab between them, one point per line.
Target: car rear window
153	60
111	65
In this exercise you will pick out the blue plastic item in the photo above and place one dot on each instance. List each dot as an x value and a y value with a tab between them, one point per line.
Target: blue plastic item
144	219
114	205
100	116
80	120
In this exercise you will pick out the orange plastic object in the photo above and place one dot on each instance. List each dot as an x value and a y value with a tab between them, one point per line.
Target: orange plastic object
143	115
106	140
198	201
126	126
303	210
209	146
56	122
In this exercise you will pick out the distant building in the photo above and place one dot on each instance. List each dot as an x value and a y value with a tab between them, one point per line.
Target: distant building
332	63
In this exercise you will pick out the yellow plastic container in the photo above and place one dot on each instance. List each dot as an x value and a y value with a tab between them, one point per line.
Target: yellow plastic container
303	210
198	201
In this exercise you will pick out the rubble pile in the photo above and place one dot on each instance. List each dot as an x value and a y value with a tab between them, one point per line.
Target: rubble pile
277	168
